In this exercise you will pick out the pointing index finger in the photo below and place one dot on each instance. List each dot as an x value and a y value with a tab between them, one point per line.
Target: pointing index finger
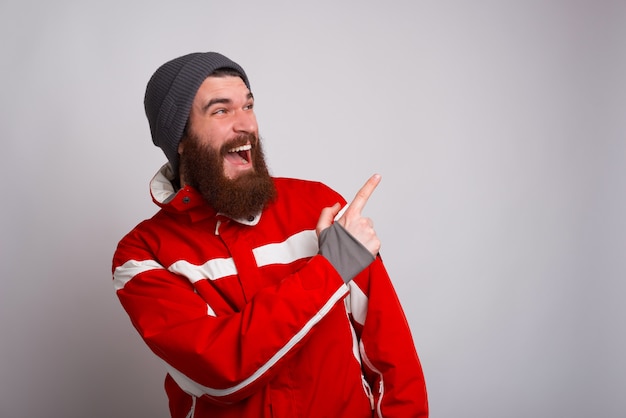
364	194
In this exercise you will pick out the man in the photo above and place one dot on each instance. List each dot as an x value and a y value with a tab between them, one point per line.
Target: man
258	303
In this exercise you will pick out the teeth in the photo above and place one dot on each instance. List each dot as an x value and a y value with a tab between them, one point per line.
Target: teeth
241	148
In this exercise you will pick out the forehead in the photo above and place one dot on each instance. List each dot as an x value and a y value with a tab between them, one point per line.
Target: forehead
228	87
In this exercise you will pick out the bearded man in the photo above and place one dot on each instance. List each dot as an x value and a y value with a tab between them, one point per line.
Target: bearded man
258	301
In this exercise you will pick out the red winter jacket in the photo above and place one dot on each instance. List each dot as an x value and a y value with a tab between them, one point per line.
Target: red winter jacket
252	322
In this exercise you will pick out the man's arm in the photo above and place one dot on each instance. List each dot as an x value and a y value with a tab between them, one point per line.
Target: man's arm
224	357
390	360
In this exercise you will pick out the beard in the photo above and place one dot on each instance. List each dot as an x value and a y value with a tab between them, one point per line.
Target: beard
202	167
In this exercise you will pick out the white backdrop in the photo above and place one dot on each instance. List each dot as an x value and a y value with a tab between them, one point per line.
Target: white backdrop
498	127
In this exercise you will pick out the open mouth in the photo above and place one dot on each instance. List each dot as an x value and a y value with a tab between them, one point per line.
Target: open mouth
240	155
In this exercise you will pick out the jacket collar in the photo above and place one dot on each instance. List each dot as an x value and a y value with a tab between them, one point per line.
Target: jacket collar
186	199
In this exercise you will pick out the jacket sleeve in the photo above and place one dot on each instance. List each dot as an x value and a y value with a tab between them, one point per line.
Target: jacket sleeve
390	361
226	357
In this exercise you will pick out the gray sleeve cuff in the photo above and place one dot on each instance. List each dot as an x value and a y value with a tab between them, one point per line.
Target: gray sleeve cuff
347	255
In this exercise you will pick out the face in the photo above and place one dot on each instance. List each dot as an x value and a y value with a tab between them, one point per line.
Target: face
221	154
221	114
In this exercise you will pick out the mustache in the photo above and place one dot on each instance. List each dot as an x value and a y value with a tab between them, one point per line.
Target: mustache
238	141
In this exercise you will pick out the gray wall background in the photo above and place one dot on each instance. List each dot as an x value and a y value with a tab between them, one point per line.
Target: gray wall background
498	127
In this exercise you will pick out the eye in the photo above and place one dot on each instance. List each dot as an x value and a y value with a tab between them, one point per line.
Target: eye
249	106
219	111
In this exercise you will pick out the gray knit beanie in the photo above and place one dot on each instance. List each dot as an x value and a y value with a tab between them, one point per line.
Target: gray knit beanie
170	93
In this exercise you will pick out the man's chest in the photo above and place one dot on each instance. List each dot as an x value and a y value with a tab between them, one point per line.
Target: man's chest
230	265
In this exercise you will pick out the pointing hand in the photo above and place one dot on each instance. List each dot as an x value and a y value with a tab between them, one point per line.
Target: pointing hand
361	228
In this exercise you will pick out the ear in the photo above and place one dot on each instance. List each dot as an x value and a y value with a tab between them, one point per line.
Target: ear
181	146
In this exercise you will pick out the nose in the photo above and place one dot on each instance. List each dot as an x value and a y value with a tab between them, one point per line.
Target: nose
245	121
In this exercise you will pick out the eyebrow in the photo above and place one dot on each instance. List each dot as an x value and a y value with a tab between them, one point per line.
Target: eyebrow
223	101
